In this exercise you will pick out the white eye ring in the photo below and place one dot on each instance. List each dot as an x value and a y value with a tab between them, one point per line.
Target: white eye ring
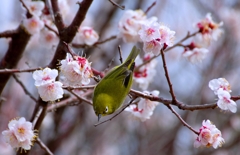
106	110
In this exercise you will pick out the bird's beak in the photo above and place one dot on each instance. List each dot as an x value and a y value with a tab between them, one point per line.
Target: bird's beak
99	116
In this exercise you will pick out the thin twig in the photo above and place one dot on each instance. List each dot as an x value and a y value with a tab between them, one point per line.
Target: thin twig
61	104
24	88
116	113
150	7
8	33
109	65
43	146
7	71
167	77
80	98
180	118
51	29
69	49
95	44
120	54
117	5
179	104
183	39
29	14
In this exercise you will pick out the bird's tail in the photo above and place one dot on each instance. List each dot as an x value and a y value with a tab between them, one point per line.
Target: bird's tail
134	53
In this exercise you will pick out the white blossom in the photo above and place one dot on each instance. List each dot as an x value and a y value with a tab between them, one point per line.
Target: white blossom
208	136
216	84
224	101
33	25
86	35
44	76
144	109
19	134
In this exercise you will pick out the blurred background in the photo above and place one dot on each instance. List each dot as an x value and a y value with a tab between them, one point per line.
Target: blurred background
70	130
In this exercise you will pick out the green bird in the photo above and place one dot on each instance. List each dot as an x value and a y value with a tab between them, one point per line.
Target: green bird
112	90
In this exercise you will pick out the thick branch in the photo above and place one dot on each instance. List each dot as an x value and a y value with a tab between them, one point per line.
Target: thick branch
57	15
8	33
16	48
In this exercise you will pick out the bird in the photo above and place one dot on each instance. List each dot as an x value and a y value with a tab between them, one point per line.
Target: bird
111	91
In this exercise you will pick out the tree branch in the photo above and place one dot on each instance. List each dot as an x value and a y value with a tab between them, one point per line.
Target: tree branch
7	71
16	48
24	88
183	122
43	146
167	77
8	33
117	5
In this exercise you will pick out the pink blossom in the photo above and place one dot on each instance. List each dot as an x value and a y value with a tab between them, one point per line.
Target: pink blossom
130	24
220	83
149	31
194	53
33	25
209	29
144	75
19	134
48	38
44	76
144	109
224	101
208	136
51	91
35	7
86	35
76	71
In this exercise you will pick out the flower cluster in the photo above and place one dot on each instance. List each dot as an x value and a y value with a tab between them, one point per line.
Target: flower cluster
86	35
208	30
144	75
48	88
144	109
35	24
194	53
76	70
19	134
209	136
221	88
134	26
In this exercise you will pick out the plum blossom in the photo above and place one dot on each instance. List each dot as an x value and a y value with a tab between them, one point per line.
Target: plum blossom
48	38
209	136
35	7
19	134
162	41
77	70
130	24
224	101
195	53
33	25
209	29
220	83
149	31
51	91
86	35
48	88
44	76
144	75
144	109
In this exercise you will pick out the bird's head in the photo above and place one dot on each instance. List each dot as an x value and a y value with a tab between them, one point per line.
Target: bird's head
103	105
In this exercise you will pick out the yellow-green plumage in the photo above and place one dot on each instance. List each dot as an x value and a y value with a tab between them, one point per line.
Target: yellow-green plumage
112	90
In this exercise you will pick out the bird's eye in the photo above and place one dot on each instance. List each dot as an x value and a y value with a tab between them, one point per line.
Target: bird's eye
106	110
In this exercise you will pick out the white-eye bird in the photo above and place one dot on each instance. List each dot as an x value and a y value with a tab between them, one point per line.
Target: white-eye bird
112	90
